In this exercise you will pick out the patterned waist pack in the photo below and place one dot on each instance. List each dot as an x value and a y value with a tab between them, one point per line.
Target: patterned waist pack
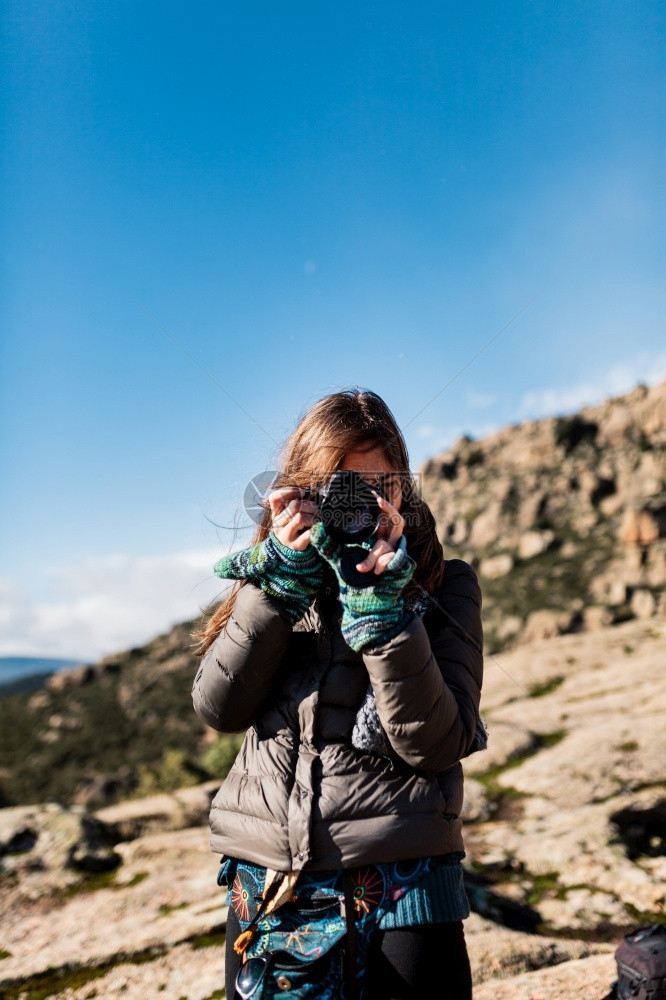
311	946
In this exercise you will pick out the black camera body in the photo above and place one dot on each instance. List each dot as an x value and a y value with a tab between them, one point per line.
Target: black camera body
350	513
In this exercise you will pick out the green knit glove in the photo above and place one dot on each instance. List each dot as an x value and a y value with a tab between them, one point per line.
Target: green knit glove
293	577
374	614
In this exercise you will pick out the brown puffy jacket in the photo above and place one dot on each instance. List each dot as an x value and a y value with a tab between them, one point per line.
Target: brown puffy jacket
299	794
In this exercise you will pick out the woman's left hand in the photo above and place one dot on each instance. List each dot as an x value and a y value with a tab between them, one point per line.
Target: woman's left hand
388	535
373	612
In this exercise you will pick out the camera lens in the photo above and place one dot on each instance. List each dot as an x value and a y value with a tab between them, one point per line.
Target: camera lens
348	507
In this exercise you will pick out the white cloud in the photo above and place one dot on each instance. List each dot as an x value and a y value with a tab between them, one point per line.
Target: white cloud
95	607
480	400
620	379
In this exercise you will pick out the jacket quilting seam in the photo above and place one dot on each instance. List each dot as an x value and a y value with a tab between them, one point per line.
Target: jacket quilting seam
227	673
209	708
252	635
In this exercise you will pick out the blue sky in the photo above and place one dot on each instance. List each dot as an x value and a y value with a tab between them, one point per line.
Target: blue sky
212	217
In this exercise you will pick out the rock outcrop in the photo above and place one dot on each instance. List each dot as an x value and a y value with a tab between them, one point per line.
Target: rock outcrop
563	518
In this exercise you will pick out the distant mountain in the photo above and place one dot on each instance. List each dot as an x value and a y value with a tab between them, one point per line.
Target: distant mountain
14	668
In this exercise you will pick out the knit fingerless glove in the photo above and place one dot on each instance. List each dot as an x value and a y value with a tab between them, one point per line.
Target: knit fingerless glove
373	614
293	577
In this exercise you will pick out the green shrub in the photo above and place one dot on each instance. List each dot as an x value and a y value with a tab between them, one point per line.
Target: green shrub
219	757
174	770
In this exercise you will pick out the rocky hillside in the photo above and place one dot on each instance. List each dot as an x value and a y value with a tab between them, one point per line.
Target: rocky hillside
564	826
564	518
101	732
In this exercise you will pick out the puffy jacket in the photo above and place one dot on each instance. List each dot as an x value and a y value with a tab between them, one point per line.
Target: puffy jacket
299	794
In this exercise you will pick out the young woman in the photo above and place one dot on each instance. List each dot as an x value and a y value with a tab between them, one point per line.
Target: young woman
338	825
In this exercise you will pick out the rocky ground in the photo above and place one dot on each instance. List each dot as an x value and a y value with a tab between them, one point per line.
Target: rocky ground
569	813
565	830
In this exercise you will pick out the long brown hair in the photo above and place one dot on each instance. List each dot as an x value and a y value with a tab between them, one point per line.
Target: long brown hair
350	420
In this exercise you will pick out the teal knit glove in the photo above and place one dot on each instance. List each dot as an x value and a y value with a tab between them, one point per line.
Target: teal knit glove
373	614
293	577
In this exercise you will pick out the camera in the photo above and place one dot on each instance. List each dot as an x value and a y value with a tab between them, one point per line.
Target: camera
350	513
347	507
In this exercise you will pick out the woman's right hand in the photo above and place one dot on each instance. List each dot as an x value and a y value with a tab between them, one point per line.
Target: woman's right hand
292	517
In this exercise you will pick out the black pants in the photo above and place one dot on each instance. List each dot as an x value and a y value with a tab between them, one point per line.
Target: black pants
403	964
